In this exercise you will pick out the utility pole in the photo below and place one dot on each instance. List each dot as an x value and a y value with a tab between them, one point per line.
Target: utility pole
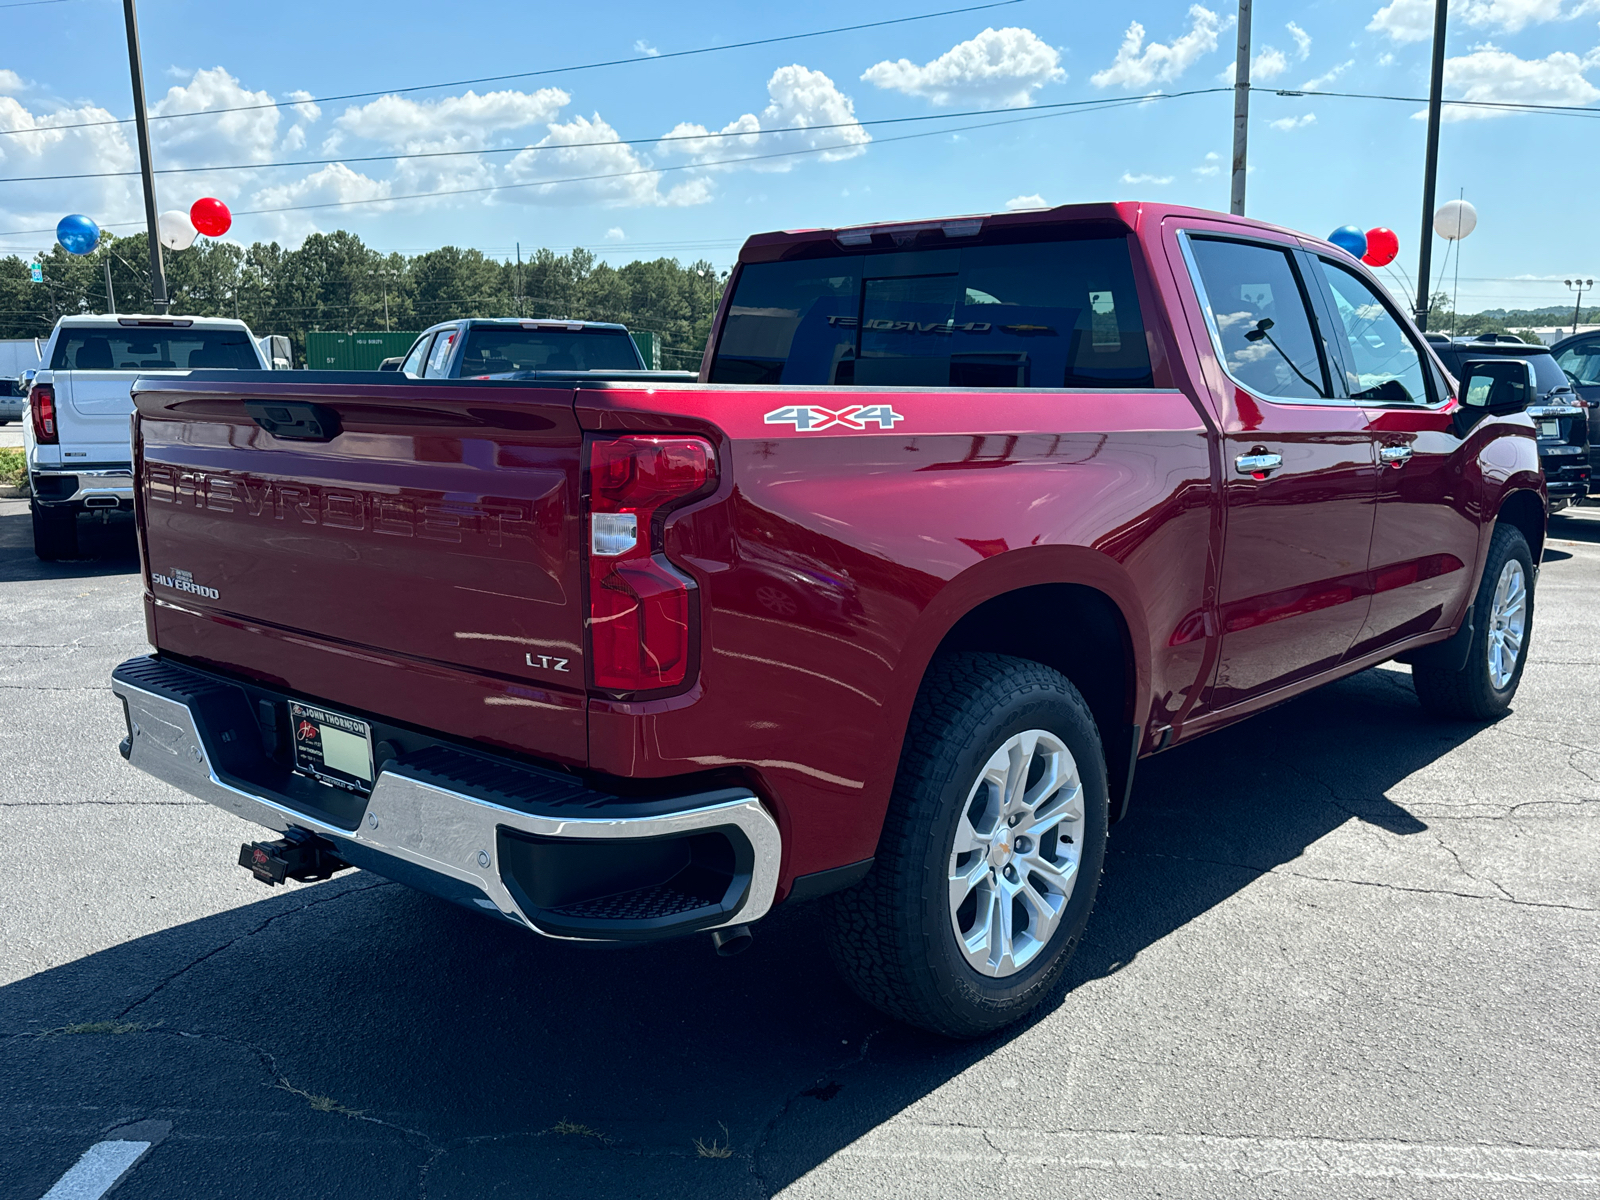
1430	169
519	279
111	297
158	274
1241	111
1581	286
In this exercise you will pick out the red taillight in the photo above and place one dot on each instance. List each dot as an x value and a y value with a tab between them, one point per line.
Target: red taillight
42	404
638	604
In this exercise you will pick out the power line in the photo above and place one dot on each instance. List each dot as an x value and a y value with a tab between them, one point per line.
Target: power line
613	62
1089	106
653	141
1507	105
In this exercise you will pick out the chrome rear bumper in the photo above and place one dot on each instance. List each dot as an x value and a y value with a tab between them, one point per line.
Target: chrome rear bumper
466	841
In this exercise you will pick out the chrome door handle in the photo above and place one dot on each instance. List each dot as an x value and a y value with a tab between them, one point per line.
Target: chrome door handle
1394	455
1257	464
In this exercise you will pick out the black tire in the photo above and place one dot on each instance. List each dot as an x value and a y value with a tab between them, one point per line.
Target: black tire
1470	693
891	936
55	533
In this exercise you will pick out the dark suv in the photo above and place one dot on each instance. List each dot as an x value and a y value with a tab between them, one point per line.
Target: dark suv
1579	357
1560	417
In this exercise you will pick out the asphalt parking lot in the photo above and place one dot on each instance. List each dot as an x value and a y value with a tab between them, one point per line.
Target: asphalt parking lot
1341	950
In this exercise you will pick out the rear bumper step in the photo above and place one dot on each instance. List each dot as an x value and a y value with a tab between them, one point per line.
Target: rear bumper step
537	848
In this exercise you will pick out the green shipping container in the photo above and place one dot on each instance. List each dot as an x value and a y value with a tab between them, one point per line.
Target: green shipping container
650	347
355	351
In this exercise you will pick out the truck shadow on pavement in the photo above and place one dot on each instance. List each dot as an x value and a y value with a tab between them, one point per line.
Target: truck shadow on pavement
404	1045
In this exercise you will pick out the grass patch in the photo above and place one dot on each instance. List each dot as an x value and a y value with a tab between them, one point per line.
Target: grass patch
714	1148
94	1027
566	1128
13	466
325	1104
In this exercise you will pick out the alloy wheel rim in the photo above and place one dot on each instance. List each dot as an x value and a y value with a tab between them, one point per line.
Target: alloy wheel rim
1014	858
1508	623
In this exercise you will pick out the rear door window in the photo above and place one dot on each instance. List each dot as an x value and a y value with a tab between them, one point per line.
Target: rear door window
1382	364
443	342
417	355
1037	315
1257	310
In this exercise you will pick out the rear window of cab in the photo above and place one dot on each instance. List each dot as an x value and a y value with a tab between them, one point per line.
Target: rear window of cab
1059	314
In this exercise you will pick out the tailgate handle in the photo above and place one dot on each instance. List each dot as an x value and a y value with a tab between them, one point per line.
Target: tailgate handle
295	419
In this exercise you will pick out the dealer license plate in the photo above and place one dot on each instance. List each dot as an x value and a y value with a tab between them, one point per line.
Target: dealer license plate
1549	428
332	746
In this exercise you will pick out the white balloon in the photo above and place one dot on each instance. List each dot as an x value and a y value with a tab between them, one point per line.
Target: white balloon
1455	220
177	231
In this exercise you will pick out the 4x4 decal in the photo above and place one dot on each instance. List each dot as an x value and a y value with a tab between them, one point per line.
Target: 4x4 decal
813	418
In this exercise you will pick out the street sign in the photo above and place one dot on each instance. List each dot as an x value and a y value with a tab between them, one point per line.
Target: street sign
37	271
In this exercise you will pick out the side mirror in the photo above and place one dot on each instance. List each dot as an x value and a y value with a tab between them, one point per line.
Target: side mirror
1498	385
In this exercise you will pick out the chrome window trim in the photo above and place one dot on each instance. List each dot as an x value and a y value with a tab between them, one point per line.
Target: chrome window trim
1216	335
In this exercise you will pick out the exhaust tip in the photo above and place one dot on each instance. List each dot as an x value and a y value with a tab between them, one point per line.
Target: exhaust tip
733	940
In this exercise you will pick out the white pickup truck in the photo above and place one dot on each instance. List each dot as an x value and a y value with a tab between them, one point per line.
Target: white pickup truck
80	459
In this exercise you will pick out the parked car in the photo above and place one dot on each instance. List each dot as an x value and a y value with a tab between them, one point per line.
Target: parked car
1579	357
11	400
76	440
1562	422
505	346
962	519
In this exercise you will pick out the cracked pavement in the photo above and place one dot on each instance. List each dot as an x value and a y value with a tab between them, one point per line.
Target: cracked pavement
1341	951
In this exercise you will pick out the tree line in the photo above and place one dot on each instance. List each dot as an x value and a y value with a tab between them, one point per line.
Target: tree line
333	281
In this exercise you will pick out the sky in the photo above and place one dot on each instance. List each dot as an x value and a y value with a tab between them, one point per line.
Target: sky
930	117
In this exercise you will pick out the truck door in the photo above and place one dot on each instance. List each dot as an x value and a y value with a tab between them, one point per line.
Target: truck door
1299	468
1426	530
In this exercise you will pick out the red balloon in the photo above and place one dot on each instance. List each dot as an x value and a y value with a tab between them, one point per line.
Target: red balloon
211	217
1382	246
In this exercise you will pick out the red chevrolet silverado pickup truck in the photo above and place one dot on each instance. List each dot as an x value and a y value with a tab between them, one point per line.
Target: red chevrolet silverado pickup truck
960	520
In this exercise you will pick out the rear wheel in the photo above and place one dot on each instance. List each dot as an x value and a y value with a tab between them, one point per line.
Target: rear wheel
55	533
990	854
1502	616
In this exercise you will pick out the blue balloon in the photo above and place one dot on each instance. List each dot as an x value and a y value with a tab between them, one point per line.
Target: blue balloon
78	234
1350	239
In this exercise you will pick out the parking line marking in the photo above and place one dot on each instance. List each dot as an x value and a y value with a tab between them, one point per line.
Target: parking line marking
101	1166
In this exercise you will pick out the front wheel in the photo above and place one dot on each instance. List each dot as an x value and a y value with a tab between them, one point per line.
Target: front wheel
1502	616
990	855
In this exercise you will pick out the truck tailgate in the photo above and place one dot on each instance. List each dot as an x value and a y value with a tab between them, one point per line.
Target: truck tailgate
397	548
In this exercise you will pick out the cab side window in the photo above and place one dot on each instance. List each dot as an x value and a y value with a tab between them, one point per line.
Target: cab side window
1581	362
443	343
1382	363
416	356
1260	318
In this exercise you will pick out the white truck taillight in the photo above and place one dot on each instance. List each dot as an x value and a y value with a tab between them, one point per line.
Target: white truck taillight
42	407
639	610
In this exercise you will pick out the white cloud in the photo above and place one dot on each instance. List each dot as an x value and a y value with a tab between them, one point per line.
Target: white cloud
643	47
1156	180
587	146
998	68
1327	77
294	140
1211	166
1138	65
1412	20
1290	123
1302	40
45	150
303	106
1386	60
1019	202
249	136
454	122
801	100
331	184
615	234
1268	64
1490	73
10	81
